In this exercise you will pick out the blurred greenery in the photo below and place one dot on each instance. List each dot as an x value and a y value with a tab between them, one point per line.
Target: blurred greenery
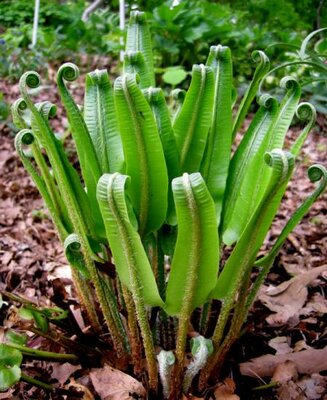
182	32
62	35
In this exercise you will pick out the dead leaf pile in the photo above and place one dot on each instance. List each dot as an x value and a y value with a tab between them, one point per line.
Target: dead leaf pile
112	384
288	299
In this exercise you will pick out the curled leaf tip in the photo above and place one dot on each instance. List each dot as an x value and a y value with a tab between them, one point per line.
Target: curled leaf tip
260	57
317	172
152	94
267	101
19	104
306	111
178	94
29	79
68	71
25	136
47	109
289	83
72	243
280	160
219	52
138	17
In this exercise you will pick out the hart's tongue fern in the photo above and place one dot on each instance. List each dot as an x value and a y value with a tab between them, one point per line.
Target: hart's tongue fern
161	193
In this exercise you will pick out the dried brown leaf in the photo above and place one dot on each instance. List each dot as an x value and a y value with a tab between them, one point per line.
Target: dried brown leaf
285	372
112	384
280	344
306	361
225	390
288	299
62	372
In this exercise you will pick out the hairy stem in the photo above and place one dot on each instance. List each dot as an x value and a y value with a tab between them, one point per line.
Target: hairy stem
133	333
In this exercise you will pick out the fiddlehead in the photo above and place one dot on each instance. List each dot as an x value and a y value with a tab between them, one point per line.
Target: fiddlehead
259	73
47	109
26	137
178	97
31	80
16	110
73	252
166	361
68	72
317	174
201	349
304	112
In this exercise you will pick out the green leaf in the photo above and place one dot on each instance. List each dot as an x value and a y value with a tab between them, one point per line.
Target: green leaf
249	178
130	258
174	76
215	164
144	157
245	251
199	341
16	338
240	198
25	313
10	361
158	105
87	156
41	320
192	124
139	40
195	262
101	121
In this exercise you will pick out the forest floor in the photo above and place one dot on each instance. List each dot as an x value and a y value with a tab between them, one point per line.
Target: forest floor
287	322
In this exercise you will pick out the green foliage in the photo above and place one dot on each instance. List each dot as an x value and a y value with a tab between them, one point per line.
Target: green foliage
308	63
183	32
4	108
10	361
161	194
61	35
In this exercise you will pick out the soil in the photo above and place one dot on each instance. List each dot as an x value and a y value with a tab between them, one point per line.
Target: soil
32	263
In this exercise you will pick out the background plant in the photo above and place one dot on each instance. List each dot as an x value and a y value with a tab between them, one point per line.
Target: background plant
163	194
62	34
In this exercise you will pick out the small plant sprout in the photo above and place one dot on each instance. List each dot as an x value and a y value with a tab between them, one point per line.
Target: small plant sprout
159	196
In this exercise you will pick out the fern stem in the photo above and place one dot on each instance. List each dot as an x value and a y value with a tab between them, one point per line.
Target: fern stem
86	298
100	288
145	330
43	355
133	333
